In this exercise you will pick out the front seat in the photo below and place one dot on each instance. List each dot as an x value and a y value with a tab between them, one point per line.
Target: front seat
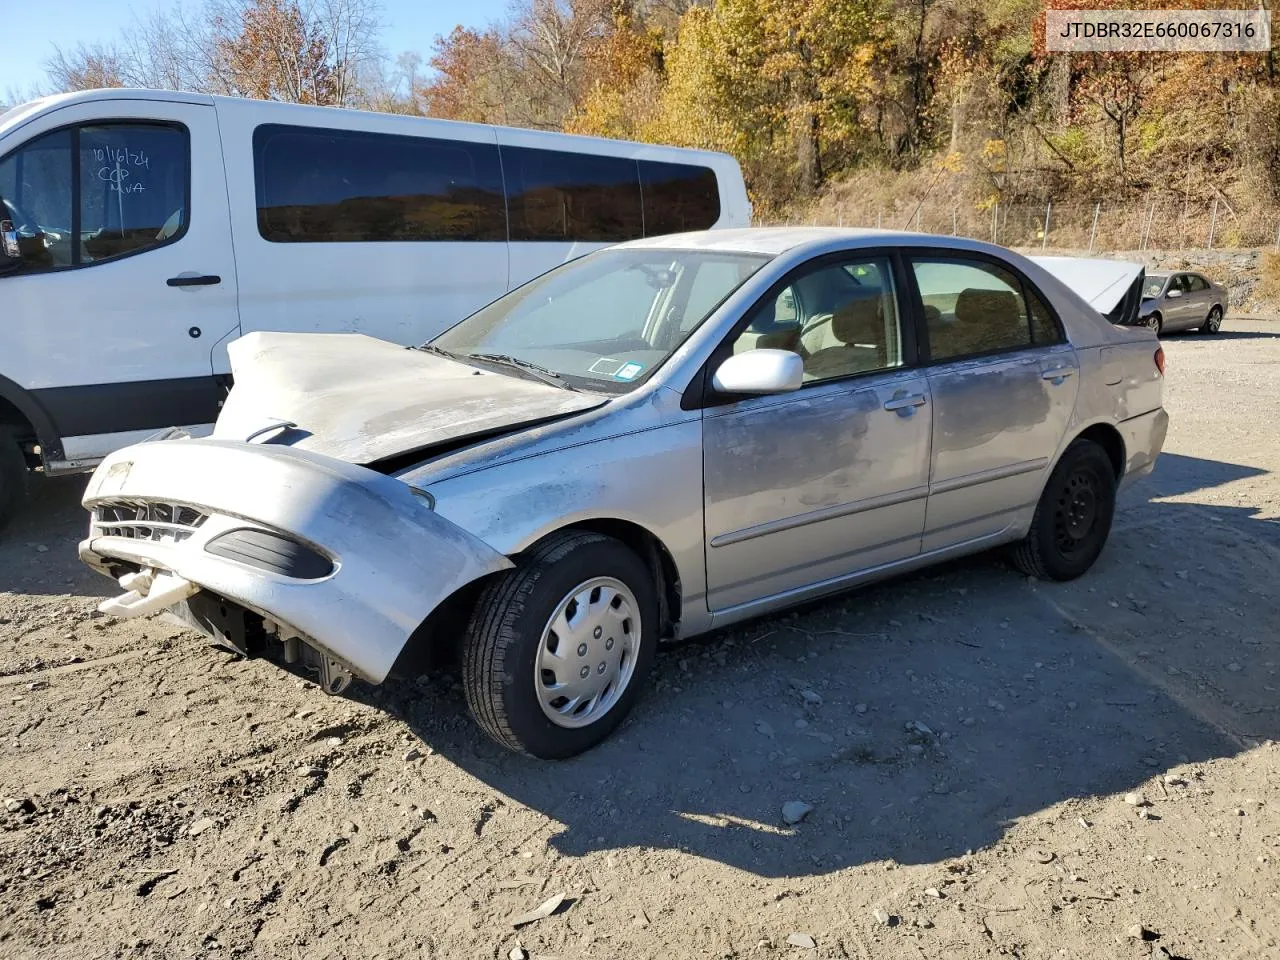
857	326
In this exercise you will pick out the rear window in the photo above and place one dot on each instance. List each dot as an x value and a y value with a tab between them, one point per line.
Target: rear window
575	197
335	186
678	197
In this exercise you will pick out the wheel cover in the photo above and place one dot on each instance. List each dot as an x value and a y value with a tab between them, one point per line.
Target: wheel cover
1215	320
587	652
1076	513
1154	323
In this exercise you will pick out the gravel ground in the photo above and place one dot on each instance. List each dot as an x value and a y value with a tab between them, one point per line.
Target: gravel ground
994	766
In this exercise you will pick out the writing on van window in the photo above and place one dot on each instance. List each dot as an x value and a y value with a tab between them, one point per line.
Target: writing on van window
122	168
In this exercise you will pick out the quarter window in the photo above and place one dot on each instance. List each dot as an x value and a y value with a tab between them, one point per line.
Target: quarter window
339	186
678	197
972	307
129	195
841	318
575	197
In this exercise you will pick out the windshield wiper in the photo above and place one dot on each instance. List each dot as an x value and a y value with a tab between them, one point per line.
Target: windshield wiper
438	351
535	370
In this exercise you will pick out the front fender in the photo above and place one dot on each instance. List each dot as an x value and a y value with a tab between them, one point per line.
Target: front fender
394	559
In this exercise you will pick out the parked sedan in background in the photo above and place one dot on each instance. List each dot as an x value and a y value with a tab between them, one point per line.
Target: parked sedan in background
1182	301
656	440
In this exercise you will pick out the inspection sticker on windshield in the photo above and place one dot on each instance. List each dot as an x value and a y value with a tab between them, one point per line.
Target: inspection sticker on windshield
605	366
628	371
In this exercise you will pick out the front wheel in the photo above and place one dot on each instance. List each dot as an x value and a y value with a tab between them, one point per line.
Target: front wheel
557	650
13	477
1073	518
1155	324
1213	322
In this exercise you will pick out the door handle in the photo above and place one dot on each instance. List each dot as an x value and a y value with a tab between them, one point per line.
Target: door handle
1057	374
207	280
905	403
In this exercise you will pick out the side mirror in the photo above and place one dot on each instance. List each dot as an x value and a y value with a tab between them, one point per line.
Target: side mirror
1174	294
10	251
760	372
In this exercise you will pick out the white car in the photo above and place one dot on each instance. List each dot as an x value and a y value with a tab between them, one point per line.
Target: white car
659	439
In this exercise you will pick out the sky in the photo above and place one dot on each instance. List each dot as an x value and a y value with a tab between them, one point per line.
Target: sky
31	28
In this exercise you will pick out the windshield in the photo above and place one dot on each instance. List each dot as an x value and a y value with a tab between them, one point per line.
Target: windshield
608	320
1155	283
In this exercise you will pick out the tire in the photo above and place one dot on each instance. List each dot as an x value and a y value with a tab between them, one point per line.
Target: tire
1155	323
505	657
1213	322
13	477
1073	518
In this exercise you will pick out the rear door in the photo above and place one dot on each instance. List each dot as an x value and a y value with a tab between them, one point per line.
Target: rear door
1003	380
116	316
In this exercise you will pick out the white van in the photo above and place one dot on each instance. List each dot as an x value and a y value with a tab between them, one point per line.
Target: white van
141	231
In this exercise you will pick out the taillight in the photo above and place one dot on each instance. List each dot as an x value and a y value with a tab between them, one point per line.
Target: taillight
1160	360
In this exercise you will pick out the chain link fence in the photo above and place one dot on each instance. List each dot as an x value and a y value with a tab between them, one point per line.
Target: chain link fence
1158	224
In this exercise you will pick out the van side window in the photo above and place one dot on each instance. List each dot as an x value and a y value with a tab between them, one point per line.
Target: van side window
129	195
571	197
36	198
678	197
133	188
341	186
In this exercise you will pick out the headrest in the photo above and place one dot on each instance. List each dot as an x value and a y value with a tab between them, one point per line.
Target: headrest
860	320
995	307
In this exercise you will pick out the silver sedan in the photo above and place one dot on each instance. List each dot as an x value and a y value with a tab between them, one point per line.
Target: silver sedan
1182	301
656	440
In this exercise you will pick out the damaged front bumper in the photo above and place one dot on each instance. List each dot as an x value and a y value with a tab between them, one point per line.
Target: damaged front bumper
342	564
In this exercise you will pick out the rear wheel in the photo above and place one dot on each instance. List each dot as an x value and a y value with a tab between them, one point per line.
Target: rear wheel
1213	322
1073	518
557	650
13	476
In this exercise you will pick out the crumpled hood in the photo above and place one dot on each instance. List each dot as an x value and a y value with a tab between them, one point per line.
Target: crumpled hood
360	399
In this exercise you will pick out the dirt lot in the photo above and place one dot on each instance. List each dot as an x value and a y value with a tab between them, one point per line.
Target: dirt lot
995	766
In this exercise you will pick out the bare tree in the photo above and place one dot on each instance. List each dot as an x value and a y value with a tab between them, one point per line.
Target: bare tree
315	51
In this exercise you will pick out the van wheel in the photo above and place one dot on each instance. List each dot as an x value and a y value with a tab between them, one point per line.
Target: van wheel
1073	518
557	650
13	476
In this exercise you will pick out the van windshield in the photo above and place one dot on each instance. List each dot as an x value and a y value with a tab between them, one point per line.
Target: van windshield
606	321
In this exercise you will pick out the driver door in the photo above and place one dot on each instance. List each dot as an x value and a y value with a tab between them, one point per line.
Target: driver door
119	326
804	489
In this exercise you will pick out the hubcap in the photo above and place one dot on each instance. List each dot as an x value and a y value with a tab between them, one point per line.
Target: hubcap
1215	321
587	653
1076	511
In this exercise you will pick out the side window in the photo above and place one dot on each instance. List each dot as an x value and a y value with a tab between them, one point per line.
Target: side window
133	188
1043	328
678	197
841	318
1179	283
571	197
1199	284
971	307
343	186
36	197
130	194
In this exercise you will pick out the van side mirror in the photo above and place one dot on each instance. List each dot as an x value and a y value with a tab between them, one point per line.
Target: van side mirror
760	372
10	252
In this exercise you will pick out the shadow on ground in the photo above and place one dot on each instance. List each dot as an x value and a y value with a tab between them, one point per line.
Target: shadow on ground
1029	694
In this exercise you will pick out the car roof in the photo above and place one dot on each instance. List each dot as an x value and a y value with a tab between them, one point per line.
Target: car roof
775	241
